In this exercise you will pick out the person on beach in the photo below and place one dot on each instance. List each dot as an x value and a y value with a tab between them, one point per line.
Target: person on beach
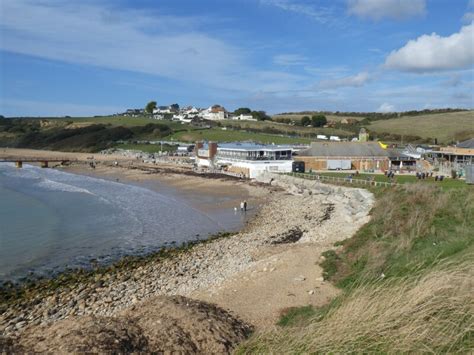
245	205
242	205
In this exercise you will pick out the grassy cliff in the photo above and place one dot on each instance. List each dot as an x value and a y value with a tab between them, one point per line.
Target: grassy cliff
407	281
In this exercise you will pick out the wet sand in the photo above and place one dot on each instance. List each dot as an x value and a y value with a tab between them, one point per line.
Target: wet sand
219	196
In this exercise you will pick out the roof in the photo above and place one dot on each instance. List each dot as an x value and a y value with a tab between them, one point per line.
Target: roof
344	149
252	147
400	154
469	144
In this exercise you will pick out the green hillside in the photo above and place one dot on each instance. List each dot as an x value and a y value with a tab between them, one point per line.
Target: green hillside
446	127
406	282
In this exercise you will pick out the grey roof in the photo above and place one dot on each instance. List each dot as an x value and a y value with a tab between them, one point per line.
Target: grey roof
247	146
466	144
399	154
344	149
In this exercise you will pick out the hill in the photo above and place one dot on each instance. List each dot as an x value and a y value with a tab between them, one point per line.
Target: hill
406	282
298	116
446	127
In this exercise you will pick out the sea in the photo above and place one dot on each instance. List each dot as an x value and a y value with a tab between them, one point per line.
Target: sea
51	221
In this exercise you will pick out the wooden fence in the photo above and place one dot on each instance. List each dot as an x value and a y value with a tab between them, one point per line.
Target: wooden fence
345	180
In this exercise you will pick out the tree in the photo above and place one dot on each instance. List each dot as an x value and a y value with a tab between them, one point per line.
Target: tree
150	107
174	107
242	111
305	120
318	120
261	115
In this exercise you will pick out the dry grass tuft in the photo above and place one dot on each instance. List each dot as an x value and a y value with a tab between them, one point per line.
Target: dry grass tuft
432	313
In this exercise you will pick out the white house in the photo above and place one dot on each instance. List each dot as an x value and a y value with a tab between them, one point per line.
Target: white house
243	117
162	110
182	118
334	138
191	111
215	113
322	136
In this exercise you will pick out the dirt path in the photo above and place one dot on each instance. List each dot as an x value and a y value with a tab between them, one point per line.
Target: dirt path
284	277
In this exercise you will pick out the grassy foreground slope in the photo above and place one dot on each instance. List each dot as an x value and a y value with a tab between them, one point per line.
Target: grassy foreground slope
407	281
446	127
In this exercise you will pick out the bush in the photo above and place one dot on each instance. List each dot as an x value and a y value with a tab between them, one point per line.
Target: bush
318	120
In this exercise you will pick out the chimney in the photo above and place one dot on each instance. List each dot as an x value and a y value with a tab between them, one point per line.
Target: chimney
198	146
212	150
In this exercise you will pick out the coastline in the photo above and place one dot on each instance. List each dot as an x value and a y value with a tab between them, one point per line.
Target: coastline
210	201
254	273
223	192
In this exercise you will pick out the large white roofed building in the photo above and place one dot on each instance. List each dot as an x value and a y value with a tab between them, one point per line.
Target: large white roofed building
246	159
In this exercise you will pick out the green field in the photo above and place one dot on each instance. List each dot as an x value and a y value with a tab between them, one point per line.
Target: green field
219	135
188	133
148	148
446	127
285	128
237	134
121	121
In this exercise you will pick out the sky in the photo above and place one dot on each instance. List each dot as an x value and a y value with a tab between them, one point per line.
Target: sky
95	57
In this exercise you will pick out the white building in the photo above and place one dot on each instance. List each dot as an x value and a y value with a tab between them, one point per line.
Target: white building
322	136
162	110
246	159
215	113
243	117
191	111
334	138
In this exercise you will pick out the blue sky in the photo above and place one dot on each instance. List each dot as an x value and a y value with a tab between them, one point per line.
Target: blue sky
91	57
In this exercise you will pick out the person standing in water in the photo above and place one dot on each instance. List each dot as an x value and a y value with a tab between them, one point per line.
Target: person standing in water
242	205
245	205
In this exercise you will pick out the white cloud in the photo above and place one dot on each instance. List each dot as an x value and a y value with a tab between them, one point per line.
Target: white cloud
289	59
93	33
116	39
386	108
433	52
378	9
468	17
320	14
354	81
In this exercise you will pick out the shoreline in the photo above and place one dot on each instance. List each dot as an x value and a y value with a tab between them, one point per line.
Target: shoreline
186	183
254	273
211	198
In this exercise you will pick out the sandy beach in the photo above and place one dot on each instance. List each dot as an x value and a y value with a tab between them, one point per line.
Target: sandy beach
223	192
255	274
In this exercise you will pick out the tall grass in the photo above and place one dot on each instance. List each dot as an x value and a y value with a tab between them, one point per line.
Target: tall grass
412	227
428	314
407	278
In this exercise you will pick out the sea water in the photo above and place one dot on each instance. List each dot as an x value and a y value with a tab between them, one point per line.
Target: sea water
52	220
